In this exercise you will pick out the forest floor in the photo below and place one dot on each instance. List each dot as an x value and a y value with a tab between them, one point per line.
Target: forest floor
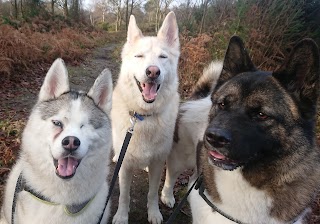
17	99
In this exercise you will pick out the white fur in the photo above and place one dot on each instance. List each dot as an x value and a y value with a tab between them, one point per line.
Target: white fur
192	124
41	142
239	199
152	138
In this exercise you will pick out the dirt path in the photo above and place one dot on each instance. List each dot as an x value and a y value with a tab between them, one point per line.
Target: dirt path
82	77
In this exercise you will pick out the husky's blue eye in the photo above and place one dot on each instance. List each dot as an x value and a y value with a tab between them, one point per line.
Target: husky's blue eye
57	123
163	56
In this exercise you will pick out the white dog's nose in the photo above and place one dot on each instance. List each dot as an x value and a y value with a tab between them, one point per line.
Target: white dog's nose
70	143
153	72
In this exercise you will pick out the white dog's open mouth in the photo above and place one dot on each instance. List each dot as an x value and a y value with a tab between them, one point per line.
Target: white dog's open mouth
66	167
149	90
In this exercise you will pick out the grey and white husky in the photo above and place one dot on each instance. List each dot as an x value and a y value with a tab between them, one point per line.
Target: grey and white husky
63	164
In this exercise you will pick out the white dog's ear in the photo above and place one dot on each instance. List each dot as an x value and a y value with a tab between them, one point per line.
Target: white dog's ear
169	30
56	81
101	91
134	33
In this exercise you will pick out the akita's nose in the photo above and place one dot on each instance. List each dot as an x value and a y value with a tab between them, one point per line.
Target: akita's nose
218	138
153	72
70	143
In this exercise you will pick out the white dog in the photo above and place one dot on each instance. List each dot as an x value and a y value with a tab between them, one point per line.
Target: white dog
191	123
147	85
63	164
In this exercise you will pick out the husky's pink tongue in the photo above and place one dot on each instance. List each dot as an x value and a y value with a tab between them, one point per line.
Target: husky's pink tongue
67	166
149	90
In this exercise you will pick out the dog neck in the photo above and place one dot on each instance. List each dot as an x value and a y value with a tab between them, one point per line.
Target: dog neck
141	117
71	210
201	189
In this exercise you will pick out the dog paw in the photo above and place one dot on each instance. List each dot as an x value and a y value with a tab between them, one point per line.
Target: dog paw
120	218
155	217
168	199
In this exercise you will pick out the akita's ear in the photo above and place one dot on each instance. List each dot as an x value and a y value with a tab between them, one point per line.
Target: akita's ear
101	91
300	75
169	30
56	81
134	33
236	60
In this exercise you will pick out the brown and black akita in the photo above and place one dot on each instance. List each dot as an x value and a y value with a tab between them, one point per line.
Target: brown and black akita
259	158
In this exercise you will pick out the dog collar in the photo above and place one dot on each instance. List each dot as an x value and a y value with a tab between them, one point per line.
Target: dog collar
140	117
200	187
71	210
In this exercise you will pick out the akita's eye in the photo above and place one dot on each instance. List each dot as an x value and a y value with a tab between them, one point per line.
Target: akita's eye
57	123
261	116
163	56
138	56
221	105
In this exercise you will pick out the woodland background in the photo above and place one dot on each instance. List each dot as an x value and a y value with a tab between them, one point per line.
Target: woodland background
35	32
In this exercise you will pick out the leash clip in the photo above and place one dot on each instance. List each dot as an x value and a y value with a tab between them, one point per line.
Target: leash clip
133	120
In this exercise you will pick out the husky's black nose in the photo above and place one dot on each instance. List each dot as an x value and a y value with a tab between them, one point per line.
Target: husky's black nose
70	143
153	72
218	138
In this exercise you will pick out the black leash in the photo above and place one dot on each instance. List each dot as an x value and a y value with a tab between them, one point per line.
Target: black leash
18	188
198	185
201	189
181	203
124	147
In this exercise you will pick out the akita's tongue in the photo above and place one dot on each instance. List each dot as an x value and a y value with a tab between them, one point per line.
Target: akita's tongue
149	90
217	155
67	166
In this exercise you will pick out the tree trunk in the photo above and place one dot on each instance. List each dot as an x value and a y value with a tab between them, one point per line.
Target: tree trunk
131	9
65	9
157	16
52	7
205	6
118	16
21	8
127	14
16	9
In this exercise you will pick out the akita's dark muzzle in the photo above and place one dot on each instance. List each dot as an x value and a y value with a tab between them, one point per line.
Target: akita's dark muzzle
217	142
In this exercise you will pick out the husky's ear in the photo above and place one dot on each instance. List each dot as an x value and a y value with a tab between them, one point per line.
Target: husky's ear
101	91
134	33
169	30
56	81
300	76
236	60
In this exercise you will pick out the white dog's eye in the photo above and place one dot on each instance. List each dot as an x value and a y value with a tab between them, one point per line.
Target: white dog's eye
57	123
138	56
163	56
81	126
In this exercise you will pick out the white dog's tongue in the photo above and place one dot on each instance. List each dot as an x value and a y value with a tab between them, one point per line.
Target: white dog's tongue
149	90
67	166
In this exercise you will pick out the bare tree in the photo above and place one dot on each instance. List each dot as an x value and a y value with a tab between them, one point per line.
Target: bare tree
205	7
65	9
